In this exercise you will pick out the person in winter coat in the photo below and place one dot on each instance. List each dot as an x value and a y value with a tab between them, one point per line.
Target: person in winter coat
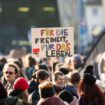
89	92
20	90
74	78
10	73
39	77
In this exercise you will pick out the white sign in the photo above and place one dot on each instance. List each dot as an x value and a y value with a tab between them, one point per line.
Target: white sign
52	42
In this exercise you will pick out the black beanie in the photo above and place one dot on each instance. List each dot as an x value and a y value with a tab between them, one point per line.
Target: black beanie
66	96
89	79
46	89
64	70
89	69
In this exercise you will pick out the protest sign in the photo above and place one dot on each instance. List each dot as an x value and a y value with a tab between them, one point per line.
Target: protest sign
52	42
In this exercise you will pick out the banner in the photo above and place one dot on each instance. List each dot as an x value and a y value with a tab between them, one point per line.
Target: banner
52	42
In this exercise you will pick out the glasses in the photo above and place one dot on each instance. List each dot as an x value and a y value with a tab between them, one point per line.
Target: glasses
9	72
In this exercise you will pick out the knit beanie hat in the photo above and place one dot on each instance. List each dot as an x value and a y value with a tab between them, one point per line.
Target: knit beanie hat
64	70
66	96
89	79
46	89
20	84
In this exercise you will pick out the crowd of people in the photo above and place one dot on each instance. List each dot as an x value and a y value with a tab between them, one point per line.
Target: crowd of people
48	81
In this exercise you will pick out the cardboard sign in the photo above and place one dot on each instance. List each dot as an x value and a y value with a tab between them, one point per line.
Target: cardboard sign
52	42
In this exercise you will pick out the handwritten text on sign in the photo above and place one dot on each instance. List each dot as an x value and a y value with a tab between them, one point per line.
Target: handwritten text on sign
52	42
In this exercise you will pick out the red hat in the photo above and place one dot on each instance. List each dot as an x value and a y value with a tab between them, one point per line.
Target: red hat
20	84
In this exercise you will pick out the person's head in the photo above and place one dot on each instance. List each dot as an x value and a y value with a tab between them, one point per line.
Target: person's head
20	88
41	76
66	96
76	61
64	70
3	92
10	72
3	61
89	79
42	67
19	63
89	69
59	78
74	77
46	89
29	61
20	84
